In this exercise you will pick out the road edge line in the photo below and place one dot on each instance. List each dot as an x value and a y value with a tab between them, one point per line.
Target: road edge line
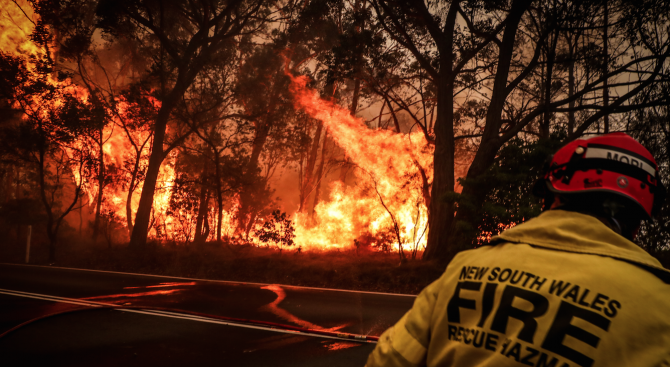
215	280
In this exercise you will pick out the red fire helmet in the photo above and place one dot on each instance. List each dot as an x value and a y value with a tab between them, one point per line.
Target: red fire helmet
613	163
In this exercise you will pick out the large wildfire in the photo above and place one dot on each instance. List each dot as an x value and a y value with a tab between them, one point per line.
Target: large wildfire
383	201
389	193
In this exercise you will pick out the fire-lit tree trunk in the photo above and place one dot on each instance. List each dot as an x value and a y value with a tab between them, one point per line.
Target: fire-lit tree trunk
202	205
441	206
205	230
219	197
132	186
312	178
246	212
101	185
392	111
81	218
307	185
129	196
143	216
319	173
134	174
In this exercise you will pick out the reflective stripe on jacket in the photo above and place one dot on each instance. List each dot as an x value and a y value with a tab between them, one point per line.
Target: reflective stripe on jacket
559	290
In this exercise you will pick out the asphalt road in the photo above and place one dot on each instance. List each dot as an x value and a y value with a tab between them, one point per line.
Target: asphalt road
101	336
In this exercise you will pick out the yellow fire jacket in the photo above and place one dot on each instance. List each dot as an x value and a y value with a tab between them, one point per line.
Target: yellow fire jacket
559	290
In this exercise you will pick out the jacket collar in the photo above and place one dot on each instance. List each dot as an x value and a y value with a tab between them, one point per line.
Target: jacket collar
579	233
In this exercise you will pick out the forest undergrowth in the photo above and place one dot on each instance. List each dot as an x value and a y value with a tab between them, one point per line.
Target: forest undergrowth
363	269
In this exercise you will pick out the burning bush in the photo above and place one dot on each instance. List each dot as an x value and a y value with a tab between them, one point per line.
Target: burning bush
278	229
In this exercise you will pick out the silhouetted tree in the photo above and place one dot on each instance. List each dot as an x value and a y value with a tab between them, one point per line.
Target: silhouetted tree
185	36
46	138
498	46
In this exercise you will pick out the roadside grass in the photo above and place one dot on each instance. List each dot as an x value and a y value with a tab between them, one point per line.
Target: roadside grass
364	270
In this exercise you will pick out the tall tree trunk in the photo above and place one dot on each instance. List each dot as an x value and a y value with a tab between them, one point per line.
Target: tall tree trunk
143	216
441	210
319	172
202	207
307	184
606	92
219	197
245	213
310	180
101	187
81	218
355	97
459	235
551	57
571	84
396	123
129	196
205	233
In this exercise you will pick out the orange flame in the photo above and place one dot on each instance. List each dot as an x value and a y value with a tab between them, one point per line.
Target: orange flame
389	185
387	200
17	21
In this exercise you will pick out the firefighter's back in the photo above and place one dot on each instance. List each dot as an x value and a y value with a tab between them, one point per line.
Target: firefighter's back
590	298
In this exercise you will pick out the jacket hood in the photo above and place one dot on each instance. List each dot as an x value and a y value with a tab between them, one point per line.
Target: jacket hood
575	232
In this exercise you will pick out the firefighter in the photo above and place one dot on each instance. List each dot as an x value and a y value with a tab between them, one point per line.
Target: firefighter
568	288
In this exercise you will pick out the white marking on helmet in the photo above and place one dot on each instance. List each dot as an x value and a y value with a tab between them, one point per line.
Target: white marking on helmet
618	156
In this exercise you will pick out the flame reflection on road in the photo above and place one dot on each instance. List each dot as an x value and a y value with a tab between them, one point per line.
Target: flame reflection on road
161	285
133	295
341	345
274	308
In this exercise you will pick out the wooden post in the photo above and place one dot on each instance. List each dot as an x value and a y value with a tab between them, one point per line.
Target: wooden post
28	244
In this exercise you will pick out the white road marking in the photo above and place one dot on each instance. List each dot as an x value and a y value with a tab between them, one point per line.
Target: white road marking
52	298
168	314
216	281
